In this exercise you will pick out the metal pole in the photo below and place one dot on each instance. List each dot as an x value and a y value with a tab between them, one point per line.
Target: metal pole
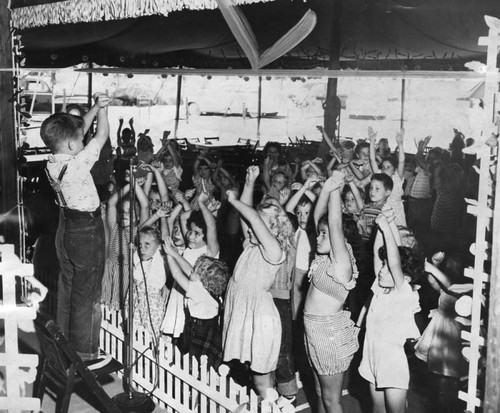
178	104
130	315
259	108
403	93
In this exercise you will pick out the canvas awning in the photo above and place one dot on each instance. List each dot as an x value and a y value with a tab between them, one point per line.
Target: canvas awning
375	34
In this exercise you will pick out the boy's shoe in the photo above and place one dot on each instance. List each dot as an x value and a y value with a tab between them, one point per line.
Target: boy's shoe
286	405
102	360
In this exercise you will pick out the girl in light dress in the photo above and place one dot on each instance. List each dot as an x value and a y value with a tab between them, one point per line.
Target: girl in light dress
441	344
390	319
395	169
116	270
150	293
252	327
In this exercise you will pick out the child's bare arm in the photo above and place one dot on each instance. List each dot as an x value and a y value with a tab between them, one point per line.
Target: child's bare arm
321	205
102	130
357	173
172	217
132	130
401	152
181	199
437	274
393	257
112	211
178	265
212	241
175	156
294	200
360	202
373	159
143	200
269	243
364	310
247	194
119	132
160	182
337	240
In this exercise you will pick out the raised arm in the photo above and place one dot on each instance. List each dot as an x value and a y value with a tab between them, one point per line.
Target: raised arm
373	158
247	194
337	239
401	153
360	202
393	257
175	155
102	130
112	212
160	182
119	132
419	156
208	217
434	272
327	139
357	173
132	130
321	204
143	200
267	240
179	267
294	200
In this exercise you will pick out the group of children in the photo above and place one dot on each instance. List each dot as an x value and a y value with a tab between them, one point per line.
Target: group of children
319	247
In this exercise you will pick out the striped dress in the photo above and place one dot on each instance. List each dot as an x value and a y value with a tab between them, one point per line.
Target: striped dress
116	269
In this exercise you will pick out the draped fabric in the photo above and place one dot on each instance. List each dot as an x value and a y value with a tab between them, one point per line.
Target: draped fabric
245	36
86	11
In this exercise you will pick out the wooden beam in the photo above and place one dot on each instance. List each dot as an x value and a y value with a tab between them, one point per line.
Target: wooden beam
8	158
324	73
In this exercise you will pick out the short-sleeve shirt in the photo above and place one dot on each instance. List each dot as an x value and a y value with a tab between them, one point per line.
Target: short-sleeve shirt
199	301
77	184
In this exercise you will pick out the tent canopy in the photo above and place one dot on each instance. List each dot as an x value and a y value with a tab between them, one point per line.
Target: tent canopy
375	34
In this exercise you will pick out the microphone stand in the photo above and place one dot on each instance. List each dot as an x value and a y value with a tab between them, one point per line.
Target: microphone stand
130	400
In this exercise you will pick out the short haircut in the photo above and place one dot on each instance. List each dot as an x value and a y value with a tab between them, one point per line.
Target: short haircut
59	128
272	144
151	231
392	160
213	273
412	262
386	180
347	189
361	145
196	218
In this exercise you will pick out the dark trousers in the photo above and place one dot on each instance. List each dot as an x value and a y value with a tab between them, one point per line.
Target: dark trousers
285	371
80	249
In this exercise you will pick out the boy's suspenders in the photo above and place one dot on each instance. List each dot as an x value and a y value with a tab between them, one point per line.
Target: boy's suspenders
56	184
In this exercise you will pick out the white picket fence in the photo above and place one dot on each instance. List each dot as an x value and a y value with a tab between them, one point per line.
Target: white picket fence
176	382
21	295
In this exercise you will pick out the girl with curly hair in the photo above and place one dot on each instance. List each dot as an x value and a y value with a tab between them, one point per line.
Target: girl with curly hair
204	285
391	318
252	327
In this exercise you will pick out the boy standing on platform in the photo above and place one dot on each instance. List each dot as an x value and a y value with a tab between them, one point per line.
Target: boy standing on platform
80	234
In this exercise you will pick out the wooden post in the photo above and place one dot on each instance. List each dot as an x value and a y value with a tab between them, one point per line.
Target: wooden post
8	155
259	108
178	104
332	103
403	93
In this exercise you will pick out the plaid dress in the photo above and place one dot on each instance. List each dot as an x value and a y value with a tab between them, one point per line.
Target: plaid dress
203	337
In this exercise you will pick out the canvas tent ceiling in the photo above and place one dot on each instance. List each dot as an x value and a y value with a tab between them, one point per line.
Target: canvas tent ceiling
375	34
